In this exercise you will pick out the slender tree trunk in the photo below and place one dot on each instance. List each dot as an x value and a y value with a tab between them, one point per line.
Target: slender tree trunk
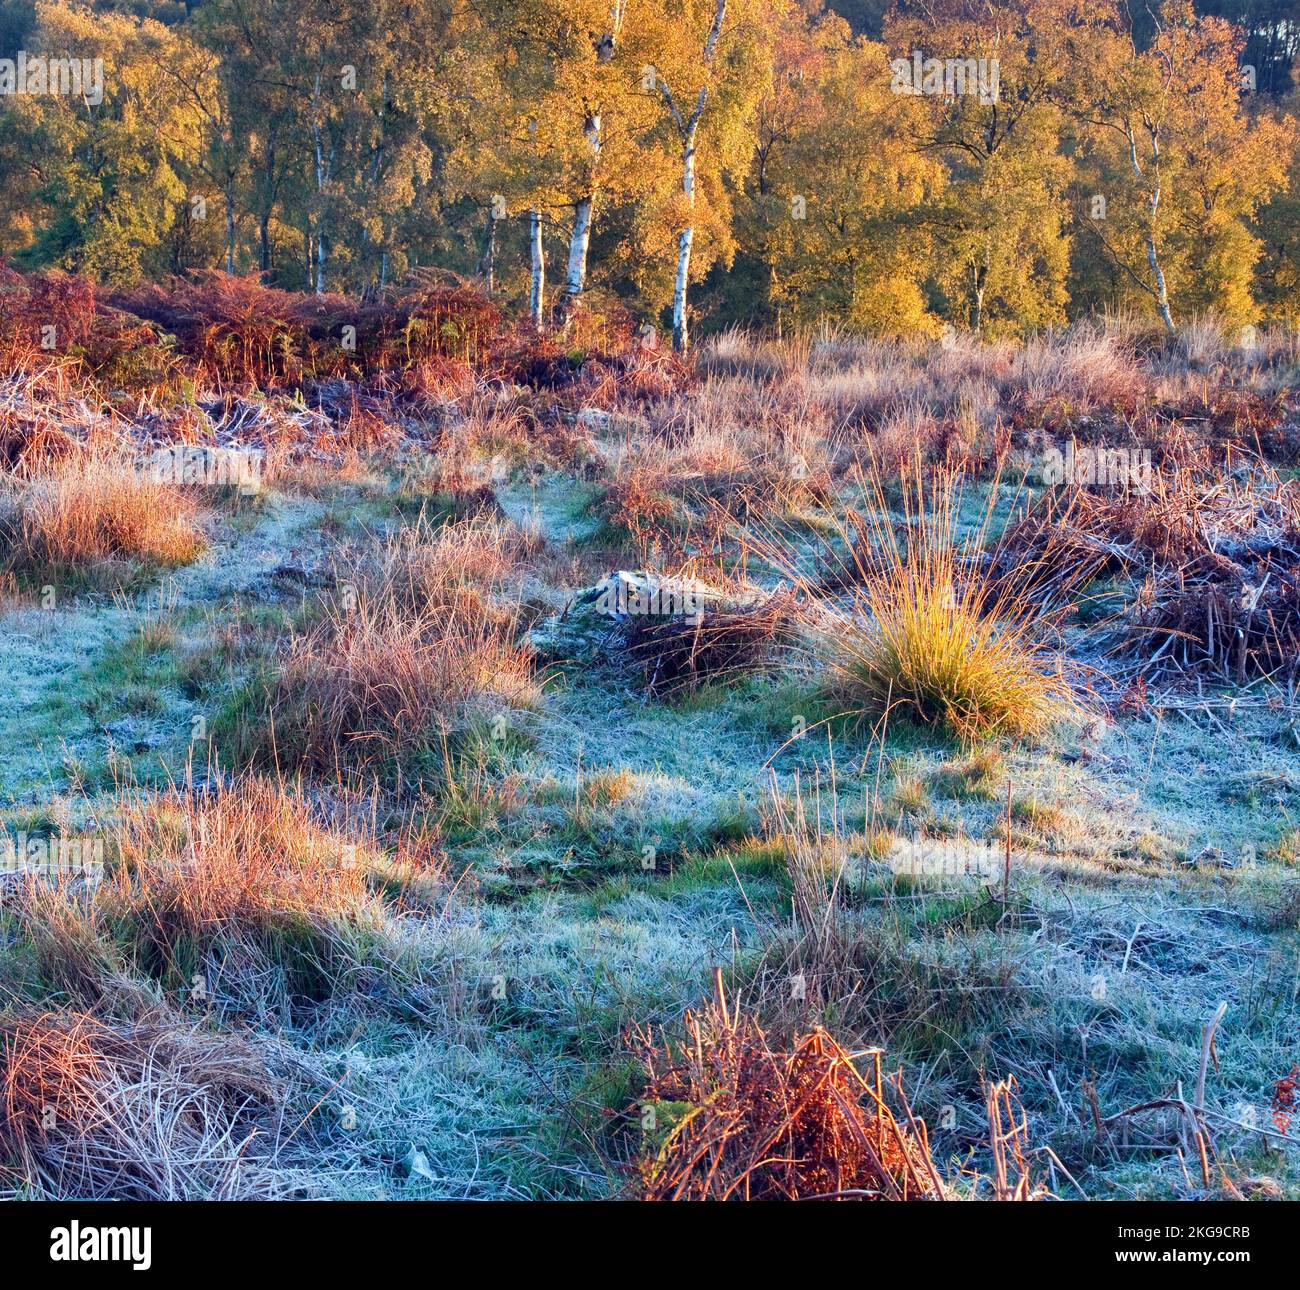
324	167
1162	289
267	206
690	131
1157	270
376	169
537	288
981	285
686	240
680	338
575	279
487	264
230	232
322	257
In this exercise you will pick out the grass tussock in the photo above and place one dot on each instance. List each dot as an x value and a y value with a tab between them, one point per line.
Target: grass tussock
240	892
152	1110
401	654
246	860
928	637
243	878
93	508
241	895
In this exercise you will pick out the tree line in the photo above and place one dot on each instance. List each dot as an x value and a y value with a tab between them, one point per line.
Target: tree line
992	165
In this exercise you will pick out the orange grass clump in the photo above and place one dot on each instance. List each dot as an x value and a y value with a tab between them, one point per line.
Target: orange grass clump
756	1123
244	888
932	636
93	507
400	654
249	864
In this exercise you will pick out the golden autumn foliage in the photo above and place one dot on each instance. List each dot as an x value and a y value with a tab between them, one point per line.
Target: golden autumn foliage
994	167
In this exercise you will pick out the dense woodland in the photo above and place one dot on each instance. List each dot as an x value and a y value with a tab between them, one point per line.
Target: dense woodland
702	162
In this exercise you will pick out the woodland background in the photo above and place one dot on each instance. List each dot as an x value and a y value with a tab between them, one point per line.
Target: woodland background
553	149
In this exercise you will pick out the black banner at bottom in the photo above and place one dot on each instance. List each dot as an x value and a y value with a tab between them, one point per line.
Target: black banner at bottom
88	1239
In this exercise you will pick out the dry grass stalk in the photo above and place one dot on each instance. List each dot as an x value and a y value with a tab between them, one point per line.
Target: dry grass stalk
763	1124
1012	1177
823	955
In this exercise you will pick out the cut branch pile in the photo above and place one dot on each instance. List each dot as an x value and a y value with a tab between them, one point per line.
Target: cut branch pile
682	652
1215	568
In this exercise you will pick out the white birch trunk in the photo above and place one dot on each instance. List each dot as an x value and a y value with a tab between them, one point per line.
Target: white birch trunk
690	131
684	244
488	264
1160	289
575	279
537	288
323	167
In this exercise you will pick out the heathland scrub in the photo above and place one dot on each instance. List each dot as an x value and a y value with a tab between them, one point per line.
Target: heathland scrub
541	877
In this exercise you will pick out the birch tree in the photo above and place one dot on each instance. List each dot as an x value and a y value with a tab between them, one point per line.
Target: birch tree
715	59
1187	167
573	133
994	78
109	174
840	188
